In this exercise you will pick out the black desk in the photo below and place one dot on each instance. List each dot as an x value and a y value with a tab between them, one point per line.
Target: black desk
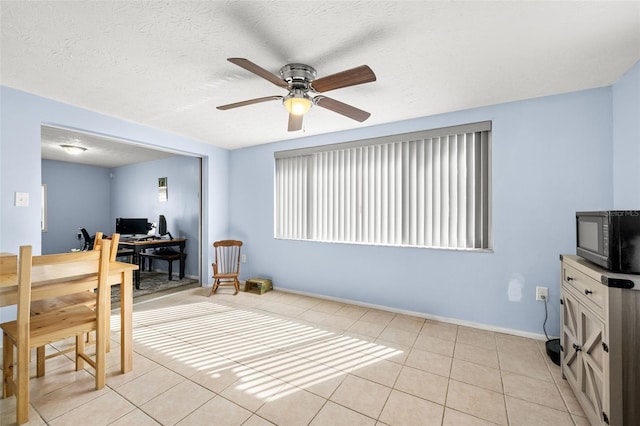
138	245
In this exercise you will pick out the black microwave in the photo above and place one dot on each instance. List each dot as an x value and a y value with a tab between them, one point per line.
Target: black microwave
610	239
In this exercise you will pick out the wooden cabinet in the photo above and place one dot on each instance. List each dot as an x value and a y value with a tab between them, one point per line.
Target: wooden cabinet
600	341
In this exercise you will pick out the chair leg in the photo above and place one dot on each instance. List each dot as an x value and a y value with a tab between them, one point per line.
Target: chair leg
101	337
108	326
236	284
7	366
216	283
40	357
22	385
80	339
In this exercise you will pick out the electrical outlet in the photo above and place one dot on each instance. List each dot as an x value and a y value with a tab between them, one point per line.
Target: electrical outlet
542	294
243	258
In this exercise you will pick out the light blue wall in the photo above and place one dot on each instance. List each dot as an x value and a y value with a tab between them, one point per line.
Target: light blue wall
626	140
134	193
551	157
22	114
92	197
77	197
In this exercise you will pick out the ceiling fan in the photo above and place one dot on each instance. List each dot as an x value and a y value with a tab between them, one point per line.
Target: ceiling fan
299	80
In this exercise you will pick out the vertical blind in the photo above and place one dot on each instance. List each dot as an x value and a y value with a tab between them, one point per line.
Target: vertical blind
427	189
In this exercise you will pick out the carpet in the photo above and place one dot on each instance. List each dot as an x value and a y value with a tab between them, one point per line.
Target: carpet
153	282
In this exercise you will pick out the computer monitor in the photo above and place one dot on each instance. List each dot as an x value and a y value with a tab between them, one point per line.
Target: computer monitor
131	226
162	227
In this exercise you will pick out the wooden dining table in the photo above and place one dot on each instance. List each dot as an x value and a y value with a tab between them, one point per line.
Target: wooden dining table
46	282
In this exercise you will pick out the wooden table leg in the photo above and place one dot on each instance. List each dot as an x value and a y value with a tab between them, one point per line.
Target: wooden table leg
126	322
108	322
183	260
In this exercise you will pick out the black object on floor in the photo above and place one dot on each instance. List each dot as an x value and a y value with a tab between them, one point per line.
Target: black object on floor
553	350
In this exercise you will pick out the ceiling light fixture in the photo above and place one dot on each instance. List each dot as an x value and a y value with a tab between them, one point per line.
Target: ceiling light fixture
297	102
73	149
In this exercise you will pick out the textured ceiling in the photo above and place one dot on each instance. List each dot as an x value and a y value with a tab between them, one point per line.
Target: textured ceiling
163	64
101	151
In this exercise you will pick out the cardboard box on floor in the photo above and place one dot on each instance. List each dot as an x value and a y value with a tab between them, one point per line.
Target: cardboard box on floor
258	285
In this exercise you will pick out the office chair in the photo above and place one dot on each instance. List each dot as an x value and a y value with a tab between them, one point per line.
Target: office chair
88	240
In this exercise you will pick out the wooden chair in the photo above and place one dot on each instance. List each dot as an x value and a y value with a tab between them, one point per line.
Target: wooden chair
97	239
29	331
86	298
227	264
114	243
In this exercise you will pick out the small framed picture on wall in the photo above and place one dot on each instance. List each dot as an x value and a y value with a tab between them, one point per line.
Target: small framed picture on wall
162	189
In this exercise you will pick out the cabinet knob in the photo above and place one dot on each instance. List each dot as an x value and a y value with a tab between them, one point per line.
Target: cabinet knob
569	278
577	348
588	292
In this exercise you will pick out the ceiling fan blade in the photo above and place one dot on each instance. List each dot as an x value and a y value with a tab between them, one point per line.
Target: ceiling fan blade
259	71
295	122
341	108
352	77
249	102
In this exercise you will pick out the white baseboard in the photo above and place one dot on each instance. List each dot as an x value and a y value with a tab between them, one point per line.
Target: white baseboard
455	321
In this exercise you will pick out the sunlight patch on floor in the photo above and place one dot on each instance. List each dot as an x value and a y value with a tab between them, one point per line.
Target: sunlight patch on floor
270	356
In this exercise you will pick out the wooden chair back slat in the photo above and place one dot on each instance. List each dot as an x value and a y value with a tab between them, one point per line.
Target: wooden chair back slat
97	240
115	240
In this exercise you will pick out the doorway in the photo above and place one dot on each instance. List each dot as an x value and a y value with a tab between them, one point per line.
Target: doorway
112	177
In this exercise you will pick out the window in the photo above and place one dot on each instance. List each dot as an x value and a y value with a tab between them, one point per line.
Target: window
424	189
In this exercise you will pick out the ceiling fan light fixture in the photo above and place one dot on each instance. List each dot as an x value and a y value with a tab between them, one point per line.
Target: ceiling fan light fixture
299	80
73	149
297	104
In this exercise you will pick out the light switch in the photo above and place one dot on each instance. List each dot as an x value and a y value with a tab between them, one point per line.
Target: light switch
22	199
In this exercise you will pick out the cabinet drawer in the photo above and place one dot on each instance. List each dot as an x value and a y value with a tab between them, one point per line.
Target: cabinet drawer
591	292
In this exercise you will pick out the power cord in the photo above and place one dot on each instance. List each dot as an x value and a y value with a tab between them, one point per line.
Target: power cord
552	345
546	314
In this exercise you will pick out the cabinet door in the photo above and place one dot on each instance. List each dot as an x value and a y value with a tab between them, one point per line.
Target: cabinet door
591	379
570	315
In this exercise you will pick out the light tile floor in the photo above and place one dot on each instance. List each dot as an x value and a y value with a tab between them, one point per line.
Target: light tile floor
286	359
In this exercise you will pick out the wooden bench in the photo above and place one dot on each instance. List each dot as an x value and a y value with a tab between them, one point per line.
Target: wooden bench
168	256
128	253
